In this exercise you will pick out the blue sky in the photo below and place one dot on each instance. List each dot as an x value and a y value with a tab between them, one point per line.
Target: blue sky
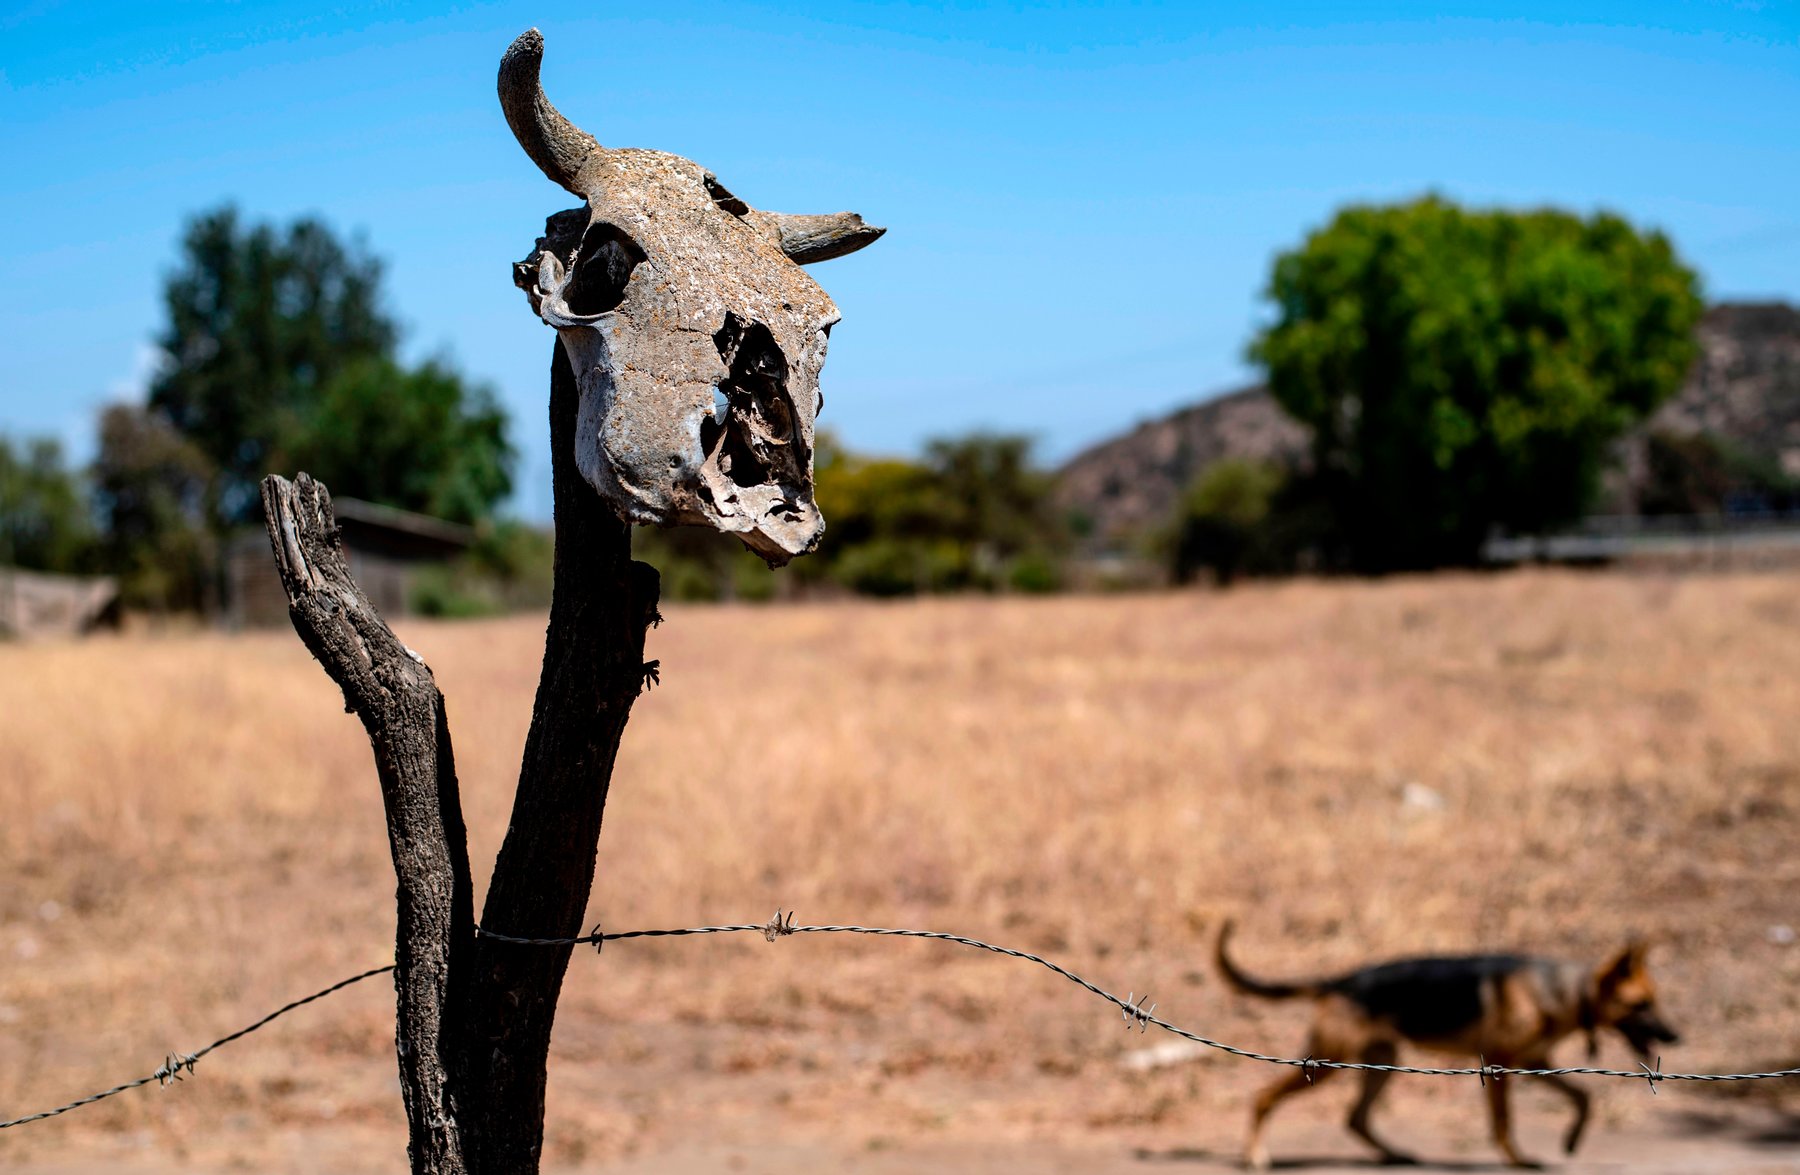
1083	199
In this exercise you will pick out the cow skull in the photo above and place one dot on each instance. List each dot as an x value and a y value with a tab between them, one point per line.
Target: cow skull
695	337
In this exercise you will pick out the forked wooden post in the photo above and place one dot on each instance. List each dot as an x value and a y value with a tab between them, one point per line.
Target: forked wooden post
391	689
474	1015
667	293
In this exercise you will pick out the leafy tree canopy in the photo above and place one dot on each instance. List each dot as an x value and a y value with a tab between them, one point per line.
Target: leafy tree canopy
44	521
1221	517
1466	370
151	487
421	440
991	494
278	355
976	513
260	320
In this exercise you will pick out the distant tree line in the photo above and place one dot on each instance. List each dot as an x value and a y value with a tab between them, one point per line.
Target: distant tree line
1461	373
277	353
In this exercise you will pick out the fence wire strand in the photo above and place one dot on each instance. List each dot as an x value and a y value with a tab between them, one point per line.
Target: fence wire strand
175	1064
1137	1011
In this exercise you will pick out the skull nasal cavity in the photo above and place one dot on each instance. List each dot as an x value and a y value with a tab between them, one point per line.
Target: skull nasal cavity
602	268
754	440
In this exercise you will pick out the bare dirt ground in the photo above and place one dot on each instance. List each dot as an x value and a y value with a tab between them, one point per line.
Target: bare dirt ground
190	834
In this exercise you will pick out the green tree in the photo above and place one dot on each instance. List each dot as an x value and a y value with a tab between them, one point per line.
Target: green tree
697	563
45	524
994	500
1222	524
1465	371
151	488
260	320
974	513
881	525
422	440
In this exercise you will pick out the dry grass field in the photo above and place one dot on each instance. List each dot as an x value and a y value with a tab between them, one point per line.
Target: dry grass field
190	834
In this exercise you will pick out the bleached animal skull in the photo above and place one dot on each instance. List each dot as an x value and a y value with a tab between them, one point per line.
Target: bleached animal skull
695	337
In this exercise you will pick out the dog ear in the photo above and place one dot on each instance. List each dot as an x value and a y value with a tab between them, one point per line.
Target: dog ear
1620	967
1628	962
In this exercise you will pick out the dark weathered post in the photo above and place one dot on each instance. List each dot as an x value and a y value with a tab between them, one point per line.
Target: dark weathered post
668	294
391	689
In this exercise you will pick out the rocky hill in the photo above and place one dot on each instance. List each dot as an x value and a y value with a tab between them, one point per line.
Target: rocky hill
1130	483
1745	389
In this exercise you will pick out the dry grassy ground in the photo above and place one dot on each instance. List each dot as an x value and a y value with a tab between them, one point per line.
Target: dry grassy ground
190	834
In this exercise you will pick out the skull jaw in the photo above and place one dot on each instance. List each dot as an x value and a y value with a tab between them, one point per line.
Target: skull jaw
777	522
645	456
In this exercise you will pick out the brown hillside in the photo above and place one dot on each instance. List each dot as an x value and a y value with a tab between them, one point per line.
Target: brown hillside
1132	482
1745	389
1746	386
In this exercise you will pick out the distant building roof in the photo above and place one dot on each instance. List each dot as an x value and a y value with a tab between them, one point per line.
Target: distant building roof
400	534
386	548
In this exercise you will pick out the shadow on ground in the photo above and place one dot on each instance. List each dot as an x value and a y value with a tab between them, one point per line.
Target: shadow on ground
1780	1128
1232	1161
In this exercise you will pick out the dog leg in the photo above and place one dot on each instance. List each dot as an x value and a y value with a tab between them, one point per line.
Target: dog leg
1496	1092
1373	1082
1578	1097
1256	1152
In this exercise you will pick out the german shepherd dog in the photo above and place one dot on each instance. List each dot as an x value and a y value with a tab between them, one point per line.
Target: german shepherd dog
1509	1010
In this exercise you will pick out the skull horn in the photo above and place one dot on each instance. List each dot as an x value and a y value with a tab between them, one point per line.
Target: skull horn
806	239
555	144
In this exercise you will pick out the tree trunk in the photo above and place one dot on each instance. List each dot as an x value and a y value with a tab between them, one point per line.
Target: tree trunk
474	1021
593	670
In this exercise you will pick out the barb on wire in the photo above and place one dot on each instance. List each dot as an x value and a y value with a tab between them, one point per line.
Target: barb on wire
172	1066
776	927
1135	1009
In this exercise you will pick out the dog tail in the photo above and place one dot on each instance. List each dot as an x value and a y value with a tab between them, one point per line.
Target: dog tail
1249	985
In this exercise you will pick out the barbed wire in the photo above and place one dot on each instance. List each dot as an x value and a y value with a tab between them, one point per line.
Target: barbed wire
1137	1011
177	1063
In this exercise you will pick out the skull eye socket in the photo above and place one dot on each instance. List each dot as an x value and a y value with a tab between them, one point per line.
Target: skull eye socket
603	267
